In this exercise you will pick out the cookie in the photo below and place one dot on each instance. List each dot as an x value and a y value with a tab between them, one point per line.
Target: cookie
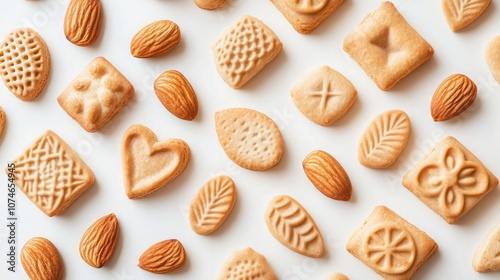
249	138
487	256
3	123
96	95
210	4
293	227
460	13
324	95
51	174
493	57
450	180
386	47
384	139
243	49
41	260
390	245
25	63
337	276
306	15
246	264
212	204
148	164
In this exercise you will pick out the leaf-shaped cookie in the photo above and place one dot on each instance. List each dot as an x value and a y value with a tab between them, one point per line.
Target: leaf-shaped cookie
291	225
460	13
384	139
487	257
212	204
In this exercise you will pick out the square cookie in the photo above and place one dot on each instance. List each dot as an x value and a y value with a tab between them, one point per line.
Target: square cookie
306	15
51	174
386	47
390	245
243	49
450	180
96	95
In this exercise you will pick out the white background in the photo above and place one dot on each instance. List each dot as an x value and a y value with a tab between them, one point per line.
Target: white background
163	214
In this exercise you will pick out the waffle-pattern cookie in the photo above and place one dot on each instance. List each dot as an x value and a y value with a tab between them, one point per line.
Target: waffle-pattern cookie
246	264
96	95
51	174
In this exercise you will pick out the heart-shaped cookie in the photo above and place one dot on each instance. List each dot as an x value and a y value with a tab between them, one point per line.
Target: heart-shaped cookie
148	164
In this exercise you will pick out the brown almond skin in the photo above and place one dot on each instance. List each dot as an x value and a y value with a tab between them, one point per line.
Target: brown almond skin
327	175
41	260
82	22
155	39
210	4
176	94
99	240
163	257
453	96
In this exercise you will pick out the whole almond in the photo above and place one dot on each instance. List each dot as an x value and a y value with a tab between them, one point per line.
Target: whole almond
82	22
453	96
41	260
177	95
327	175
99	240
210	4
155	39
163	257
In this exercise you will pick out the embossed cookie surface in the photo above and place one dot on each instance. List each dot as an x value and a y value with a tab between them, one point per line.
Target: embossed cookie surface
460	13
450	180
293	227
51	174
386	47
249	138
96	95
391	246
493	57
25	63
148	164
487	256
244	49
246	264
324	95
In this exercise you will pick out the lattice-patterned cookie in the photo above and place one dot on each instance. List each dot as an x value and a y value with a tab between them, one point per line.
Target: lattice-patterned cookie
25	63
244	49
96	95
51	174
246	264
390	245
450	180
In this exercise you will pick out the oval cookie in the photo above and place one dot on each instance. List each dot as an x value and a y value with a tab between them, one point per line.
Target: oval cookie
493	57
384	139
212	204
249	138
24	63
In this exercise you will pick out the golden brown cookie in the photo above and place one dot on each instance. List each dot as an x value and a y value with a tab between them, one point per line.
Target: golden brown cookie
246	264
487	256
460	13
493	57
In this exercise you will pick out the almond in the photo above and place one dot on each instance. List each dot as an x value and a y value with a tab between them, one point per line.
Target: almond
99	240
82	22
41	260
155	39
453	96
177	95
210	4
327	175
163	257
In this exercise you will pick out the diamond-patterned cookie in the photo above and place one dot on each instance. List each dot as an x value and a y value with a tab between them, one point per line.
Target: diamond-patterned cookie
51	174
96	95
243	49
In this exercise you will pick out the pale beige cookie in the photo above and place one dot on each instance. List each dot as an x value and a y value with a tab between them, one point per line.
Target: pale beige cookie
243	49
460	13
386	47
324	95
148	164
249	138
390	245
450	180
3	123
96	95
493	57
306	15
384	139
293	227
212	204
51	174
487	256
246	264
41	260
25	63
210	4
337	276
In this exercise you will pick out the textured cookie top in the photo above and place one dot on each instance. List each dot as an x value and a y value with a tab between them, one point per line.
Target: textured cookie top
460	13
246	264
487	256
